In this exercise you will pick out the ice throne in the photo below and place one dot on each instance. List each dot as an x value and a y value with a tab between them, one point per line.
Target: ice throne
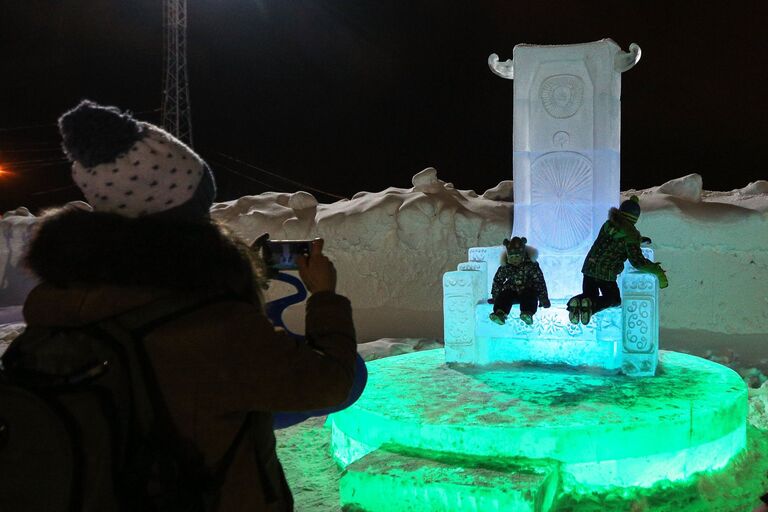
566	171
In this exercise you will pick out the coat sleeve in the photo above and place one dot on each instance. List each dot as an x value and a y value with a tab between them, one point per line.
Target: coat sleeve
635	254
498	281
540	284
271	371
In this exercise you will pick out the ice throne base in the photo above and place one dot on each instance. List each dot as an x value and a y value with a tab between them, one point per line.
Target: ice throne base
430	436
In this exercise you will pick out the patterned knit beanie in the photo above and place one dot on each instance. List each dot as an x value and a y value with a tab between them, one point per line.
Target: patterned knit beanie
630	209
133	168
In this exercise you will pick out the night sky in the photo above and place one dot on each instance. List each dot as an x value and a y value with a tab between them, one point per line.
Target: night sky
354	95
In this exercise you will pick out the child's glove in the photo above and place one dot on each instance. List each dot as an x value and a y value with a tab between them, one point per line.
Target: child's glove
545	303
655	269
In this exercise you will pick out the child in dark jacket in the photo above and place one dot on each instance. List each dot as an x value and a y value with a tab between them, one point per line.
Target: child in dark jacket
519	281
618	241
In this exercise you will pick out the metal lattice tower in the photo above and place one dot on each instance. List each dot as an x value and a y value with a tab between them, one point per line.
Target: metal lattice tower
176	110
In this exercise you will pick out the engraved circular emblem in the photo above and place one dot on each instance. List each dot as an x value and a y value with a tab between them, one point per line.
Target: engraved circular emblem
561	139
562	95
561	199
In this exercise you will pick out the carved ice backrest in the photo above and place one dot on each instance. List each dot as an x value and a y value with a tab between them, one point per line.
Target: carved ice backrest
566	144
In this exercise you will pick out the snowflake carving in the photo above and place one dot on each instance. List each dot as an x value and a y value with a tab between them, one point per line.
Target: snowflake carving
548	324
561	199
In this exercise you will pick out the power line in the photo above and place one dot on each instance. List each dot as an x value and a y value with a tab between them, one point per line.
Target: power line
219	165
50	159
33	165
31	150
270	173
59	189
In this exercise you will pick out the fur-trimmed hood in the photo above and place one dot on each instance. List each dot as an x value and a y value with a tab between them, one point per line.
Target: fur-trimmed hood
77	247
624	228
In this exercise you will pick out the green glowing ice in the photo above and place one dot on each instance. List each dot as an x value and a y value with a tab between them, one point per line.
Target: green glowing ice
396	482
605	430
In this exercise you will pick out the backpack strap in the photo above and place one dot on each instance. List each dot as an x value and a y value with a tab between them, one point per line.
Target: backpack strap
138	324
220	470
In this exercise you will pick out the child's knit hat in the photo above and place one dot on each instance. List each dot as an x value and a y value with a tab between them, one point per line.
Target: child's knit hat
133	168
631	209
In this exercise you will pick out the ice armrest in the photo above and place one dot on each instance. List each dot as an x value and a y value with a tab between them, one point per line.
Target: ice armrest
640	312
459	301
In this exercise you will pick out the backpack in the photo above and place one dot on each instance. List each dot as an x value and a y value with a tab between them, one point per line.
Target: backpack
84	427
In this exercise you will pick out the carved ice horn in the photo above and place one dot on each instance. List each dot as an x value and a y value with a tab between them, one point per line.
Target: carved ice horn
503	69
624	61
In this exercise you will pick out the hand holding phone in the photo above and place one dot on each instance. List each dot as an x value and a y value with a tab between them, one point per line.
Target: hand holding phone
316	270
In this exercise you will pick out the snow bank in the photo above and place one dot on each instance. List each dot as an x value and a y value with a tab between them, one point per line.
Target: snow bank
15	230
714	246
392	247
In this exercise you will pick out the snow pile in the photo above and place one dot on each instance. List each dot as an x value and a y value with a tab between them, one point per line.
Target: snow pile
392	247
758	407
387	347
714	246
15	230
688	187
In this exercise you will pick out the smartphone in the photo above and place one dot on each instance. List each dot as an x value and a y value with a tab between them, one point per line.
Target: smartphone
283	254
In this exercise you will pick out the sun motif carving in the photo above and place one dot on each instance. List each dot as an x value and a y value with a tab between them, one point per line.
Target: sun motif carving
561	199
562	95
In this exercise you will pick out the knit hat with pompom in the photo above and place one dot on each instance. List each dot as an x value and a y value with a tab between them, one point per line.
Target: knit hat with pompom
630	209
132	168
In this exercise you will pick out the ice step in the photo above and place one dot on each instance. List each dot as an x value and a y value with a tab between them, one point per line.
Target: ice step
385	481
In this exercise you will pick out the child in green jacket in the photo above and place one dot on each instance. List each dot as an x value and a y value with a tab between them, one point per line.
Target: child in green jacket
617	241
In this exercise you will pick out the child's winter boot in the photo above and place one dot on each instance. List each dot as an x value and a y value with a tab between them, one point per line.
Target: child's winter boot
586	310
498	317
574	315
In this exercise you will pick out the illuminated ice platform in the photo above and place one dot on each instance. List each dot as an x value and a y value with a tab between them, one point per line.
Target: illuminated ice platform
452	437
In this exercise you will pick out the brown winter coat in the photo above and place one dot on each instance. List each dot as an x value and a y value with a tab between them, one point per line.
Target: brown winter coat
214	364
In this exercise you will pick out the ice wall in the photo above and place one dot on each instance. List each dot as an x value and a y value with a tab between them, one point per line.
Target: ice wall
392	247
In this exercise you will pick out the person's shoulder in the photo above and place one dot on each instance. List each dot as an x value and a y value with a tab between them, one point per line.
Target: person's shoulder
226	313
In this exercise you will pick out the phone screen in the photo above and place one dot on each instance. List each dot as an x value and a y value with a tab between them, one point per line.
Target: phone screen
283	254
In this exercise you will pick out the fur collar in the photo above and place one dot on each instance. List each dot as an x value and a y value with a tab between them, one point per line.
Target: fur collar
624	226
73	246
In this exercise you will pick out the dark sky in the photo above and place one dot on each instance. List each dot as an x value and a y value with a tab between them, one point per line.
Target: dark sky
351	95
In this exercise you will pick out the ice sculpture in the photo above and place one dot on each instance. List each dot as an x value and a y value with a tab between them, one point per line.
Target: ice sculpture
473	437
566	177
566	123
